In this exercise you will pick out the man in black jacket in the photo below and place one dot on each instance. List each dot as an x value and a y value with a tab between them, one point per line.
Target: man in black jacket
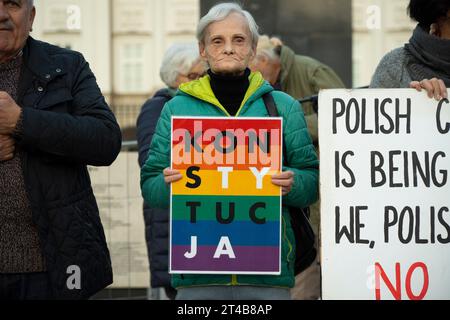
54	122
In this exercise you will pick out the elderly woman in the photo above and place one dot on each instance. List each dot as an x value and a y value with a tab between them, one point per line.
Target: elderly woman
424	62
181	64
228	37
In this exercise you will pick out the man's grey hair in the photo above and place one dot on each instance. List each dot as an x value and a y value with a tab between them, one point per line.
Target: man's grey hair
220	12
178	59
266	46
31	3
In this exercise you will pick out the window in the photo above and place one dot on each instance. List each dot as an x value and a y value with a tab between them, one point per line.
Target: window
133	67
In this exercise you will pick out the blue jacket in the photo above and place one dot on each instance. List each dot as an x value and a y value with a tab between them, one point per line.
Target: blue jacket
156	220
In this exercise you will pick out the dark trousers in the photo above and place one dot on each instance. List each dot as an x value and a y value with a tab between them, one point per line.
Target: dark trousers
25	286
171	293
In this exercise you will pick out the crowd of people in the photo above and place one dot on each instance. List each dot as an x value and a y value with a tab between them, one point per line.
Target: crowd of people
54	122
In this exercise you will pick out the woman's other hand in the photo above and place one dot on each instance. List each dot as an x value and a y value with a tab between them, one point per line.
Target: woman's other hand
285	180
435	88
171	176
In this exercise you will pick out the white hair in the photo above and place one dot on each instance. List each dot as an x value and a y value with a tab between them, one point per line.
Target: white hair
267	46
220	12
179	58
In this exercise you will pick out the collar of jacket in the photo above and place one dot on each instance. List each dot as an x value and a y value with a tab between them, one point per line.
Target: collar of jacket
38	67
287	59
39	62
201	89
166	93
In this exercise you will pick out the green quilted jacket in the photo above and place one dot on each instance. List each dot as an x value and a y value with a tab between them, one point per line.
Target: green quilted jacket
196	98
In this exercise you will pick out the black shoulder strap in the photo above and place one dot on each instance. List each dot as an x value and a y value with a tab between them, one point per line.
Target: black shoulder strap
273	112
270	105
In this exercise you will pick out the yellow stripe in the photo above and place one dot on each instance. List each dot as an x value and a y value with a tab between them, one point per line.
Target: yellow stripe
240	183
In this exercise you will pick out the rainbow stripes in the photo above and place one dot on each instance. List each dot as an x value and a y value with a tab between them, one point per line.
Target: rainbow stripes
225	212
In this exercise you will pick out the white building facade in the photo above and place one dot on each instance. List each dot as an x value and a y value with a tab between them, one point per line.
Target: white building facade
378	27
124	40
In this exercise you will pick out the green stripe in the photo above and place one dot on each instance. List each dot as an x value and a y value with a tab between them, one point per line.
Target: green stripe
207	210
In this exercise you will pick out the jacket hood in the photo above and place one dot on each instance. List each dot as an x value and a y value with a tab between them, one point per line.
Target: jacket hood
40	62
287	59
201	89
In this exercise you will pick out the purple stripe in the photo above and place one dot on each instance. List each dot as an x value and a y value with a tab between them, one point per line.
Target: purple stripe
248	259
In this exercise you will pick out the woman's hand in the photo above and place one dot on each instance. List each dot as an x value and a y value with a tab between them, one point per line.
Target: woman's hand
435	88
284	180
171	175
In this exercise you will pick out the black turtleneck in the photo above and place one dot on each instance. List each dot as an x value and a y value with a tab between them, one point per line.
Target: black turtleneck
230	90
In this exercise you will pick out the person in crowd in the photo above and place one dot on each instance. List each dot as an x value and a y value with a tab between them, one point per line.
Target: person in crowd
424	62
228	37
299	76
181	64
54	121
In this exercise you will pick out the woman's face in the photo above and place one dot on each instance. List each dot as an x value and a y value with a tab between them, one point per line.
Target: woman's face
270	69
197	71
227	45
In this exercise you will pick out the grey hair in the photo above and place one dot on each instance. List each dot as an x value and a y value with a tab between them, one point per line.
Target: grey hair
267	48
179	58
269	53
220	12
31	3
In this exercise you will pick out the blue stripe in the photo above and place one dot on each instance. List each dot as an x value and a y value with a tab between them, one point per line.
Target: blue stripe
242	233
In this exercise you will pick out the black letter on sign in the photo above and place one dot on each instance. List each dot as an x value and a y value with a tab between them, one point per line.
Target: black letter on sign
219	216
347	231
336	113
193	206
444	223
337	161
253	216
377	167
388	223
438	118
196	178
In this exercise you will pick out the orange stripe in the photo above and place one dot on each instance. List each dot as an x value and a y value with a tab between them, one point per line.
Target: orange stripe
241	183
240	159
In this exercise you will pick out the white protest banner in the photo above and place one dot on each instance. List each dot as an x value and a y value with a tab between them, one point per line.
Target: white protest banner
385	195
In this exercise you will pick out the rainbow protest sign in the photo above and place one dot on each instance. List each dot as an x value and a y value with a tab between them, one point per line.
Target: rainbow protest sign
225	212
